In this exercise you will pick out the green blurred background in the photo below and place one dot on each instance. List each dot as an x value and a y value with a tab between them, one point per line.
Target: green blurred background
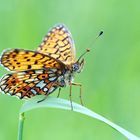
111	78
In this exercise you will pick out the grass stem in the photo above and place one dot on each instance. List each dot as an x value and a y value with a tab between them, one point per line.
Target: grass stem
20	126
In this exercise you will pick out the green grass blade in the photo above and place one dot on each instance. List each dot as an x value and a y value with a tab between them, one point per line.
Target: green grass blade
52	102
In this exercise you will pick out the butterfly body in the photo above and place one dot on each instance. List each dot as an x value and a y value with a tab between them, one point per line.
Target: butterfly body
66	79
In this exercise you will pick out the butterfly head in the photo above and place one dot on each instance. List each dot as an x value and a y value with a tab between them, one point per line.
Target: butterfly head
78	66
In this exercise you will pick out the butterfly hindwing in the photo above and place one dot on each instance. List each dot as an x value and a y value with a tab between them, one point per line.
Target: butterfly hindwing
29	83
19	60
58	43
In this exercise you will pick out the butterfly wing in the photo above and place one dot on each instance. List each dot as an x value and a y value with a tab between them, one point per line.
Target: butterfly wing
19	60
29	83
58	43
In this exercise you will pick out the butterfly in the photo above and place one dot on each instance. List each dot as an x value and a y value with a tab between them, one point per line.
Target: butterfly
53	65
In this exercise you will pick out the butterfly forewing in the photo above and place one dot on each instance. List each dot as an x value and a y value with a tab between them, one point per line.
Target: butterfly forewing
58	43
19	60
29	83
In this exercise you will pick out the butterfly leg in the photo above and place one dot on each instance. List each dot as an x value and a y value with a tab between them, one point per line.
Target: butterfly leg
42	99
59	93
70	97
80	96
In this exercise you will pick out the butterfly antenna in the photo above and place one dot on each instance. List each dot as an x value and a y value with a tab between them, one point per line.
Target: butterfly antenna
93	42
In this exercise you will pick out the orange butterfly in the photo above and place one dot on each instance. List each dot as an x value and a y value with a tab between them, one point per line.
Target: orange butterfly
42	71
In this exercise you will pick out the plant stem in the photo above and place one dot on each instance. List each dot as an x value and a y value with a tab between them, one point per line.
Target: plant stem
20	126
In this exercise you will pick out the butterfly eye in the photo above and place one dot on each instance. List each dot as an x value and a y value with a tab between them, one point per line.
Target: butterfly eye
75	67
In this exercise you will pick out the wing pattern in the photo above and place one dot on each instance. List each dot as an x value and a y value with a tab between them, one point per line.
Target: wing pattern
29	83
58	43
19	60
